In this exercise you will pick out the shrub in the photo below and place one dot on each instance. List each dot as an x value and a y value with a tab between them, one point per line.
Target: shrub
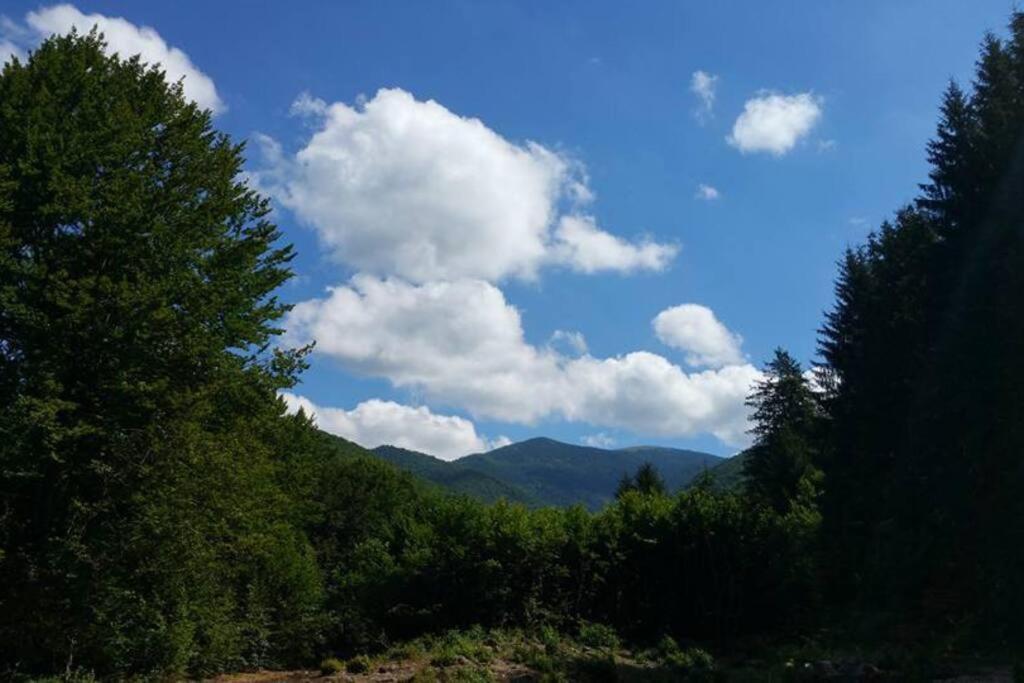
598	635
692	661
358	665
331	666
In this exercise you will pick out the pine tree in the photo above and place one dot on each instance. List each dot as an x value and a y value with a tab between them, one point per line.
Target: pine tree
646	481
785	427
922	353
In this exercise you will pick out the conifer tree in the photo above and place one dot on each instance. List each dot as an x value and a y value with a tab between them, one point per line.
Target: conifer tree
785	427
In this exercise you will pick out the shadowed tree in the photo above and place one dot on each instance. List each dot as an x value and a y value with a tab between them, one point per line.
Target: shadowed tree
137	393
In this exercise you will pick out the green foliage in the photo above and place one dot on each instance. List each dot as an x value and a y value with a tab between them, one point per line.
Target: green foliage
358	665
646	481
549	472
331	666
690	664
136	396
786	431
454	476
599	635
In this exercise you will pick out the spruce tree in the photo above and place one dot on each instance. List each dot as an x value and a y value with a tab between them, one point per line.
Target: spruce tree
785	428
922	351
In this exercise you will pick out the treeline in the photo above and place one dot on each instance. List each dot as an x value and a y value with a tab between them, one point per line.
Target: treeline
159	512
923	368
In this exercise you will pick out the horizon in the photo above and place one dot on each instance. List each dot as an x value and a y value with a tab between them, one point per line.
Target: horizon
613	449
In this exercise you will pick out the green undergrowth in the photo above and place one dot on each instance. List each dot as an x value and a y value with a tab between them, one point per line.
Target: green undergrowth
593	652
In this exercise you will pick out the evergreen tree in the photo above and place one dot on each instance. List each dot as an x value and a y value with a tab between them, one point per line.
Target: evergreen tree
922	353
646	481
785	427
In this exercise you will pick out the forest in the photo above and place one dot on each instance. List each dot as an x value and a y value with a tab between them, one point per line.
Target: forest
163	516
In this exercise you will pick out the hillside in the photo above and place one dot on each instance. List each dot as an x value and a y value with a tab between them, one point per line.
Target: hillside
543	471
728	474
452	477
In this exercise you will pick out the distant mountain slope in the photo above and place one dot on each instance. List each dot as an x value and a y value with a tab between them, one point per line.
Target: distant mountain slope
453	477
564	474
728	474
548	472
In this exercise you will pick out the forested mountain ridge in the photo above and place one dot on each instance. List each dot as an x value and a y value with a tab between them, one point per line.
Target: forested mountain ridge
542	471
451	477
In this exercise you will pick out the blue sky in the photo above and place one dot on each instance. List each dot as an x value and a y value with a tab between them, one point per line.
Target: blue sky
570	99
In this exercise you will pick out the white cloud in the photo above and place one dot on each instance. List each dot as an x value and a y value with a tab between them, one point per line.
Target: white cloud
695	329
774	123
575	341
128	40
386	423
588	249
12	36
703	84
461	343
599	440
706	193
398	186
459	340
9	50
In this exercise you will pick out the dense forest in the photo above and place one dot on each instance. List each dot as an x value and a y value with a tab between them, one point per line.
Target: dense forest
162	515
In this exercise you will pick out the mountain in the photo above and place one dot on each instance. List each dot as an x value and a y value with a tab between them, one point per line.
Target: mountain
547	472
451	476
728	474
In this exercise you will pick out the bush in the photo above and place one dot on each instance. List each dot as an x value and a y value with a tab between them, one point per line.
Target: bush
358	665
692	661
331	666
599	635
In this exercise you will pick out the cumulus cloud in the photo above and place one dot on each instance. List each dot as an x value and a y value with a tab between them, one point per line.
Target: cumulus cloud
706	193
774	123
584	247
461	343
128	39
386	423
398	186
694	329
703	85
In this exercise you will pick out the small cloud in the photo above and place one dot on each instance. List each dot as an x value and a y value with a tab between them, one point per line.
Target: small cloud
694	329
599	440
375	423
858	221
498	442
775	123
703	84
307	105
706	193
575	341
827	145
